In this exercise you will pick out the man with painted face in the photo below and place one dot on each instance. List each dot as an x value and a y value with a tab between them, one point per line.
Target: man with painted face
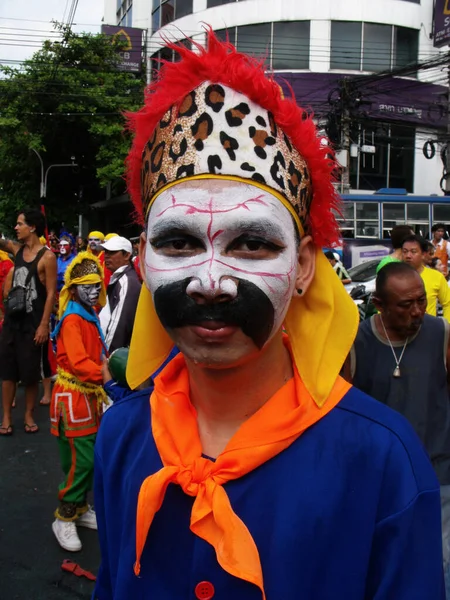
66	255
250	470
95	238
78	394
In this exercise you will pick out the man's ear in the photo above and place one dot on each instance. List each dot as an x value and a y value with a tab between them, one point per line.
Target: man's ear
377	302
306	267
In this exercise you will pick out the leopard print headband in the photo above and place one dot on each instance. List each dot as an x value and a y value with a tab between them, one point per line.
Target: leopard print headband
219	131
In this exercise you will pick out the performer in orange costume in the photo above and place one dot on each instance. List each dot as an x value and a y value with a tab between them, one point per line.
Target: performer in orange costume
77	395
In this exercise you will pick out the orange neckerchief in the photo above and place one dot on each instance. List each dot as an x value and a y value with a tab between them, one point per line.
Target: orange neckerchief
277	424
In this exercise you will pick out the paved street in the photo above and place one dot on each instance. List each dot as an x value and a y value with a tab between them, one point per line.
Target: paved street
30	557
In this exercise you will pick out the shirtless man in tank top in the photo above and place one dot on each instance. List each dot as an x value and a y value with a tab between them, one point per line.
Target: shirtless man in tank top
24	339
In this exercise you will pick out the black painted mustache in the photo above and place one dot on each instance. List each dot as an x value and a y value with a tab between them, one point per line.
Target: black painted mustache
251	310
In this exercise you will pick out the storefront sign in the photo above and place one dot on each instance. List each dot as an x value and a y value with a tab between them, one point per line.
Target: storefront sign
131	53
442	23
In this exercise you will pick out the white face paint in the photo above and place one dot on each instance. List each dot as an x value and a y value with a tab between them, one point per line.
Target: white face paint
94	243
88	294
64	248
217	232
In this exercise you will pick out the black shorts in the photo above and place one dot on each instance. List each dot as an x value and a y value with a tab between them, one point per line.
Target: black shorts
20	358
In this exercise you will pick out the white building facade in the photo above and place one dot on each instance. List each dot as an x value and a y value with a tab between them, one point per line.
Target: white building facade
329	53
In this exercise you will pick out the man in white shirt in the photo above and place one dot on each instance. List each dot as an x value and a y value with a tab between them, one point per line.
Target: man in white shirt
117	317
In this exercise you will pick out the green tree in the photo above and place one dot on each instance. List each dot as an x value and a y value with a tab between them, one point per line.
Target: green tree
67	101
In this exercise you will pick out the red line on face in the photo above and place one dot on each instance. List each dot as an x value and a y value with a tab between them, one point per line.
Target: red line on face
211	241
278	276
191	209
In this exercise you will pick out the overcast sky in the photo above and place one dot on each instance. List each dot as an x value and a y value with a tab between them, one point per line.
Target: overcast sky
25	23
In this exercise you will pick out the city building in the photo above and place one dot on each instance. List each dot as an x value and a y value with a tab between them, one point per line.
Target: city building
367	70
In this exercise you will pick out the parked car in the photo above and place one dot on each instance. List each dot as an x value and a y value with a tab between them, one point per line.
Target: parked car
364	273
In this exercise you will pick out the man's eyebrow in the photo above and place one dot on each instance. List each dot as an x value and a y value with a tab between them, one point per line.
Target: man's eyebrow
263	227
169	227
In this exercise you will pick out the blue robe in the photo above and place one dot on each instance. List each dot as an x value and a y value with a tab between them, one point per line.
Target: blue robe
349	511
62	265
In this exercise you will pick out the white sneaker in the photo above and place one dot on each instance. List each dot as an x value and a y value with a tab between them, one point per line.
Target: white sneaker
66	534
87	519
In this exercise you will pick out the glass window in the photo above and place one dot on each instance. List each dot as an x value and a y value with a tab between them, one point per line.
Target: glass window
367	229
417	212
155	20
346	219
155	4
222	34
401	157
367	219
183	8
254	39
377	47
167	12
392	164
367	210
441	213
418	217
291	45
212	3
394	212
347	212
345	45
406	46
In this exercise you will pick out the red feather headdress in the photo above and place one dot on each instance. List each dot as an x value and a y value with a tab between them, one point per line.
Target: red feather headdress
221	63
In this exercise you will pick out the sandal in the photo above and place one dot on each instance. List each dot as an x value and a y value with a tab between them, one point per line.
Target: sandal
33	428
6	431
44	402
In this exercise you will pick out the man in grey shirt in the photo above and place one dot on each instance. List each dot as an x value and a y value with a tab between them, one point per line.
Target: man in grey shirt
401	358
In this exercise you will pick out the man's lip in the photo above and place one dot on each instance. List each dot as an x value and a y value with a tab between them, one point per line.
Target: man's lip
214	331
213	325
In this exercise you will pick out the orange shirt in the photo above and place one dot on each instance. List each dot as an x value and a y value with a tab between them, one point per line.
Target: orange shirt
78	353
440	252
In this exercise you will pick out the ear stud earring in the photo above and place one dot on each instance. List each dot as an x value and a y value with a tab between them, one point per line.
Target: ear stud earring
299	291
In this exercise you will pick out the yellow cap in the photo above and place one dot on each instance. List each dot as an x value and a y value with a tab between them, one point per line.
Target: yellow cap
97	234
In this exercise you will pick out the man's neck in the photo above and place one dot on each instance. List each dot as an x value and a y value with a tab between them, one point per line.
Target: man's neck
390	334
224	399
397	254
32	243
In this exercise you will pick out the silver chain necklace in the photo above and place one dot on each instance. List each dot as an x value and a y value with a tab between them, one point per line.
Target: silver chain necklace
397	372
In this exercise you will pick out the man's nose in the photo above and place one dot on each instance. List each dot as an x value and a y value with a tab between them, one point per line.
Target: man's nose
212	293
416	310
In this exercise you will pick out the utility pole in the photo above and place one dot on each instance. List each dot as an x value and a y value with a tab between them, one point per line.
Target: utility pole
44	177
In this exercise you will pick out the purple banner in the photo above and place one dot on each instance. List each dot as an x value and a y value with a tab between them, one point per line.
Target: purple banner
441	23
131	55
385	99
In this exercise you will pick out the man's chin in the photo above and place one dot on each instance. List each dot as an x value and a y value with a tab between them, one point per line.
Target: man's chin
414	328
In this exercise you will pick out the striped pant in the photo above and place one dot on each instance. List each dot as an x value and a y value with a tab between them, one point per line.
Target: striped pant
77	462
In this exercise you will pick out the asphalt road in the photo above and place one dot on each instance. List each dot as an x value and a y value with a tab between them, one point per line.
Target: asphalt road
30	557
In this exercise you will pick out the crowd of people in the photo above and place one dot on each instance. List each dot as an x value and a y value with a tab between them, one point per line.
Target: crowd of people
66	306
262	444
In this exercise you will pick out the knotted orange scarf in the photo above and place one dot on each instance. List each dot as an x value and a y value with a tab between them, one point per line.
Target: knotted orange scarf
267	433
